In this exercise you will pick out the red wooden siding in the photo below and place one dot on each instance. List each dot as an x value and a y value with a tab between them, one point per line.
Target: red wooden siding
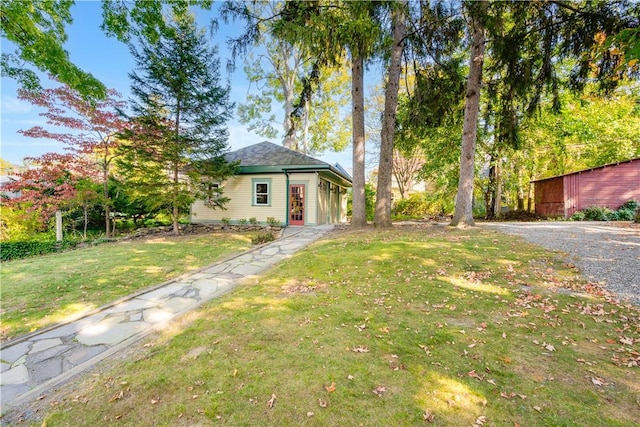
610	186
549	197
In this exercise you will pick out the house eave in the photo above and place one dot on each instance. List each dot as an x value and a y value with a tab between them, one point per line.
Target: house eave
586	170
326	170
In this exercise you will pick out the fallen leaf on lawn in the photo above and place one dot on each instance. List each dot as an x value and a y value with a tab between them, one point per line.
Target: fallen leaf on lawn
428	416
380	390
322	403
154	401
271	401
117	396
471	345
549	347
598	381
310	414
360	349
537	408
626	341
481	420
350	377
504	335
330	388
492	381
474	374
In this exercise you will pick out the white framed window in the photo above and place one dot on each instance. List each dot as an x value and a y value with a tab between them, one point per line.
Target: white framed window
262	192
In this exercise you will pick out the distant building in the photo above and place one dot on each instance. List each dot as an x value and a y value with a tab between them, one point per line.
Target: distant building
608	186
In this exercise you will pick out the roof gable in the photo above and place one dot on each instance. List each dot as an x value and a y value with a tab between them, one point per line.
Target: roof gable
269	154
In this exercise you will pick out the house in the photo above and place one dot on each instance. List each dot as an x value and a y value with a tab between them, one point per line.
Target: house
609	186
275	184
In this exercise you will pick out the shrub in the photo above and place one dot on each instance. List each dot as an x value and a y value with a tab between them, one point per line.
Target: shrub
637	218
625	214
261	238
15	250
577	216
253	220
631	205
415	206
226	220
242	221
272	221
421	205
598	213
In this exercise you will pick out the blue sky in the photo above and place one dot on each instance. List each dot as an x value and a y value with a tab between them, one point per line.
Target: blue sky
110	61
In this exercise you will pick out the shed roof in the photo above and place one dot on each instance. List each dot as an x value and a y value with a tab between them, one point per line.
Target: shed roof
589	169
266	157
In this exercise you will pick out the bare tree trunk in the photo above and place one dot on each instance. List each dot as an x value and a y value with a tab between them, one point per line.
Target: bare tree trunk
498	199
463	215
385	165
175	210
289	136
358	212
305	128
107	208
85	209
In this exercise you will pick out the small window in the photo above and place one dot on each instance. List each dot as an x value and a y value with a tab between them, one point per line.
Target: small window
261	192
214	190
212	195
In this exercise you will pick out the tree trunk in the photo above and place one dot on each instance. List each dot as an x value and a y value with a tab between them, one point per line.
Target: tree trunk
497	208
463	215
385	165
358	212
305	128
85	209
107	208
289	136
175	211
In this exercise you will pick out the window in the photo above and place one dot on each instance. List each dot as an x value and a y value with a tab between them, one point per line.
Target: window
261	193
213	192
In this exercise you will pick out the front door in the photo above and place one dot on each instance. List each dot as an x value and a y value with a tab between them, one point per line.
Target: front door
296	204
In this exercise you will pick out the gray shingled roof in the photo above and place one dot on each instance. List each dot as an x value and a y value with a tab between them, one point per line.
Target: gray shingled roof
269	154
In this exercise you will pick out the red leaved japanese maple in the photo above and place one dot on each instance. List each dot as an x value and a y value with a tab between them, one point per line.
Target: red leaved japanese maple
93	127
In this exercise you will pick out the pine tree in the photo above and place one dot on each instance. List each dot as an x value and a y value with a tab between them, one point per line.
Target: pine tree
178	133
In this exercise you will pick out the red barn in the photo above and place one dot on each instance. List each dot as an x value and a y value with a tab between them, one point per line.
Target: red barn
609	185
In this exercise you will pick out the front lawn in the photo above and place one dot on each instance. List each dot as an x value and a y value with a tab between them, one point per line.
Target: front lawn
429	326
40	291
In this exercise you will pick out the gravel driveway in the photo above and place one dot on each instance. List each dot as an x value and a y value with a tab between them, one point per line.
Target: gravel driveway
603	253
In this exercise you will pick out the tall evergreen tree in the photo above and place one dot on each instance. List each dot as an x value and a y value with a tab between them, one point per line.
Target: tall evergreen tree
180	110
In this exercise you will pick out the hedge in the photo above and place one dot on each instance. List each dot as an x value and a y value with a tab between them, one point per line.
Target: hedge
15	250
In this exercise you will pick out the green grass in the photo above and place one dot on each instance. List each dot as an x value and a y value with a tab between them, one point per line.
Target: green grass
427	326
41	291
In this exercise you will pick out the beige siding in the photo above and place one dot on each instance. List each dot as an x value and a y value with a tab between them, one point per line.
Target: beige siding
240	190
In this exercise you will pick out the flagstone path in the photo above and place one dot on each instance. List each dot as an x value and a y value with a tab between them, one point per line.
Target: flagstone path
36	362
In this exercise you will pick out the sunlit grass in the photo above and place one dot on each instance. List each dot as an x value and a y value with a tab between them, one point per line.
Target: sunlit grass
400	327
38	292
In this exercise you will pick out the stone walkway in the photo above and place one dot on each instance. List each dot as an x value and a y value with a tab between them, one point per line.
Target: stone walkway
36	362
